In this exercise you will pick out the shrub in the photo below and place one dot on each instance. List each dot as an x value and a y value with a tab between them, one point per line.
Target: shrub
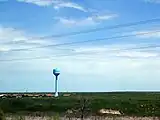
20	118
2	117
56	117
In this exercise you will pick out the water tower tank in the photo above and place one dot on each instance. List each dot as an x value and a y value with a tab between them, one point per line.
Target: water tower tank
56	71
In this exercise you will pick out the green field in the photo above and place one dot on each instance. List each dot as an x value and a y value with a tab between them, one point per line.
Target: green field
128	103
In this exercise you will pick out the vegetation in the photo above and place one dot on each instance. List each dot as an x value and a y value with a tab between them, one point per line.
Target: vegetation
128	103
2	117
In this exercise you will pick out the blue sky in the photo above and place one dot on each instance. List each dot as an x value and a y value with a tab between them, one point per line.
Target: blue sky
93	66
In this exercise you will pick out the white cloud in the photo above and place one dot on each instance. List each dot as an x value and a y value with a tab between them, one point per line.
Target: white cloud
38	2
57	4
77	22
112	51
69	5
12	39
10	36
7	34
136	54
147	33
91	20
4	49
106	17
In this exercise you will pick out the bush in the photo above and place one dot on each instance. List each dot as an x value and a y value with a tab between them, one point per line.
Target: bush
2	117
57	117
20	118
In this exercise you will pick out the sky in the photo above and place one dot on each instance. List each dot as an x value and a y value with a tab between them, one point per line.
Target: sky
94	66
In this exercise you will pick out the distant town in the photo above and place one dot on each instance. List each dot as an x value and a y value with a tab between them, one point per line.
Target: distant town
33	95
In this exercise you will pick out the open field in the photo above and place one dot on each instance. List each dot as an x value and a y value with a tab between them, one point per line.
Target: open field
86	104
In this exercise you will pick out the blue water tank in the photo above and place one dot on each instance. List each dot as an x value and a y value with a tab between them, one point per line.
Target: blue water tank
56	71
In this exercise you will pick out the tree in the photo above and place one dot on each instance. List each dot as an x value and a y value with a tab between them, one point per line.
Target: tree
82	108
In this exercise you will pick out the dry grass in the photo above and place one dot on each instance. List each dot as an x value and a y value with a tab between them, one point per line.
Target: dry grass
90	118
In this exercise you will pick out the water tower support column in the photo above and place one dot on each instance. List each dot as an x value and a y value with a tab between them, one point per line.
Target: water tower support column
56	86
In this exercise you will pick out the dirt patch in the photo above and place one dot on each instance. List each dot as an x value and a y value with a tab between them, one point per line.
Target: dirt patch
109	111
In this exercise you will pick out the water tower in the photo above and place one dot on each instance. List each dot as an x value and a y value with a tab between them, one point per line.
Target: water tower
56	73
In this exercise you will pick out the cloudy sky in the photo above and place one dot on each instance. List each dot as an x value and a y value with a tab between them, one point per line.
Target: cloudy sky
33	42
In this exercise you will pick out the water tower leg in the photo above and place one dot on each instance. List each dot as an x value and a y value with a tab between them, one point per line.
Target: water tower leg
56	87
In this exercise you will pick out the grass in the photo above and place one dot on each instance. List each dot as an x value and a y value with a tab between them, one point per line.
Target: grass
128	103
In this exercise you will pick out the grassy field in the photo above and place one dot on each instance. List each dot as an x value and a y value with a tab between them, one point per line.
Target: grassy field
128	103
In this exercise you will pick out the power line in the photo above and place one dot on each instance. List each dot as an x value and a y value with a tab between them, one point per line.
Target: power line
99	29
79	53
106	28
94	40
